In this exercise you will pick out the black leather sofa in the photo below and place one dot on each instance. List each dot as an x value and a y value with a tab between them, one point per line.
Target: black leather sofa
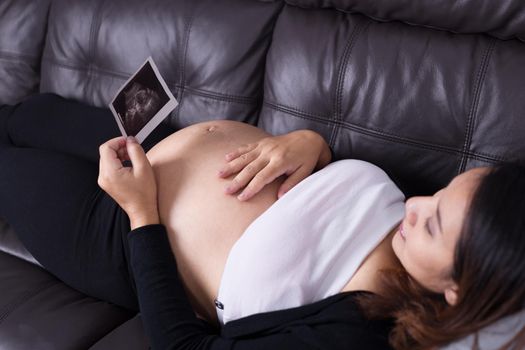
423	89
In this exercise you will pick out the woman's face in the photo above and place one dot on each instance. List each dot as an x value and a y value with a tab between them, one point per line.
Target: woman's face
426	239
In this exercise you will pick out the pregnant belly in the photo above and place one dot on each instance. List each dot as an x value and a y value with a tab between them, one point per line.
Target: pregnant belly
202	221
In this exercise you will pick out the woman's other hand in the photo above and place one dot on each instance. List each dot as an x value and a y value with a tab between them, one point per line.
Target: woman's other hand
133	188
294	155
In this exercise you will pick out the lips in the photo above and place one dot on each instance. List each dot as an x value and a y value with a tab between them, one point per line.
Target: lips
402	231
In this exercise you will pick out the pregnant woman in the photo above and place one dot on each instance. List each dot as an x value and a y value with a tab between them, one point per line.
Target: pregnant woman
234	245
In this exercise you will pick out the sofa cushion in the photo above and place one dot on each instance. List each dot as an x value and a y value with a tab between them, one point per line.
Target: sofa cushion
22	33
130	336
422	104
37	311
211	53
504	19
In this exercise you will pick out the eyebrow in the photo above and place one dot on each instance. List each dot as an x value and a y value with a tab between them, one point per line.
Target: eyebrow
439	217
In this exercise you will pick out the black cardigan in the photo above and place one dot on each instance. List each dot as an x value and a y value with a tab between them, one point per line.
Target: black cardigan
170	323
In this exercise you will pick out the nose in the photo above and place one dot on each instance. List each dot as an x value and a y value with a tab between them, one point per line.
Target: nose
410	212
414	209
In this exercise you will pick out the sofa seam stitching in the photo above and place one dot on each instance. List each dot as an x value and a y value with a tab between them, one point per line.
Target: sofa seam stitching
96	70
95	28
379	19
342	74
226	97
262	90
296	111
7	55
182	61
195	91
384	135
21	299
340	80
471	117
362	28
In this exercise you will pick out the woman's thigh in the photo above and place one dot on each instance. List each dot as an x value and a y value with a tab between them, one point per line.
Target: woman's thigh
72	227
51	122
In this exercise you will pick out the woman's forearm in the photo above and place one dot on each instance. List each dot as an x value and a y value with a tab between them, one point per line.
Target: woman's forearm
166	313
169	320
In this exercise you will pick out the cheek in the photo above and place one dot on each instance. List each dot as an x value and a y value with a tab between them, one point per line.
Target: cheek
416	255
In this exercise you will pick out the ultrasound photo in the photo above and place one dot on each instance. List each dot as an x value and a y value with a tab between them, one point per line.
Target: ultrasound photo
143	102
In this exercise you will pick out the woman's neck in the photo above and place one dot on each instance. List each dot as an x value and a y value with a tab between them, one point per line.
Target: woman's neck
368	277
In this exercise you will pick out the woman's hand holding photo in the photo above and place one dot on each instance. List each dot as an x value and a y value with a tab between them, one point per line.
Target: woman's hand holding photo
133	188
295	155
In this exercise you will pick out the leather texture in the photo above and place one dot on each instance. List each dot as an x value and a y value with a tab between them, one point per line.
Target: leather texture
423	104
22	32
424	90
210	53
37	311
129	336
503	19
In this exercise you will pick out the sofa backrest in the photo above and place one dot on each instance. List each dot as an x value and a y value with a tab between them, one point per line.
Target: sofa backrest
22	34
211	53
424	91
503	19
423	104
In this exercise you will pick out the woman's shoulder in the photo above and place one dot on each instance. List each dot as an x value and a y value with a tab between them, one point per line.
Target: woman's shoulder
356	166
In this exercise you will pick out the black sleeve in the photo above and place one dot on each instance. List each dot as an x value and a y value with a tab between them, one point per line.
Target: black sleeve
167	315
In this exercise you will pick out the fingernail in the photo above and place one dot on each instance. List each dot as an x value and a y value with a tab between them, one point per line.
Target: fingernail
131	139
242	196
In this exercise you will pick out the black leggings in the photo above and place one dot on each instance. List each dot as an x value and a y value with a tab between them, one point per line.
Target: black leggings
50	196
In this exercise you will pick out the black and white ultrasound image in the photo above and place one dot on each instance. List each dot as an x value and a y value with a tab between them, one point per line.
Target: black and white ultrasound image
140	100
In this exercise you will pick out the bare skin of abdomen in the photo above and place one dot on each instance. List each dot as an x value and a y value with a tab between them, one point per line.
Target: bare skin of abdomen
202	221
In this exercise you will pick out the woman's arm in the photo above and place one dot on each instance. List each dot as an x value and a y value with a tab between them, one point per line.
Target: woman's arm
294	155
166	312
167	315
133	187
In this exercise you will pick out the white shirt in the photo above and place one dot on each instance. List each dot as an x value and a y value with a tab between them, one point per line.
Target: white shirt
308	244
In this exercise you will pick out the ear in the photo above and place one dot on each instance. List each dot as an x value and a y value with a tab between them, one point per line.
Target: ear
451	294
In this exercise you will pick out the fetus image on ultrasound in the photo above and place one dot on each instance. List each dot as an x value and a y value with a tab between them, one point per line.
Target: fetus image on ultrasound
142	103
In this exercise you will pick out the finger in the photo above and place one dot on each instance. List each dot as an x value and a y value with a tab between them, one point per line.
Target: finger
115	143
123	154
261	179
109	159
239	151
238	164
297	176
245	175
136	153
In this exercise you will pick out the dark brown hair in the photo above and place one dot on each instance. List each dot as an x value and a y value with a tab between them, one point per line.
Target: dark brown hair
489	268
